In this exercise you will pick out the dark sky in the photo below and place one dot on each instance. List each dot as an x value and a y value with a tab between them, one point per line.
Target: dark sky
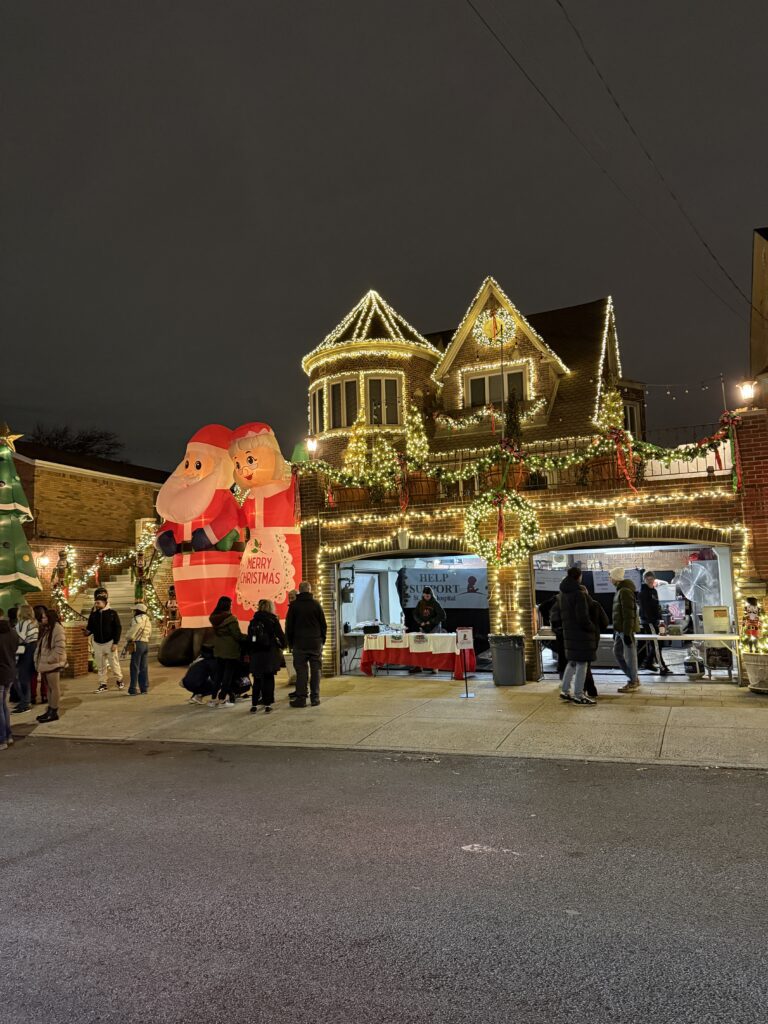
195	191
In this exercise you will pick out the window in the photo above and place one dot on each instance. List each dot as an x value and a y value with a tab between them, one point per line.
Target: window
632	418
343	403
486	389
383	401
317	411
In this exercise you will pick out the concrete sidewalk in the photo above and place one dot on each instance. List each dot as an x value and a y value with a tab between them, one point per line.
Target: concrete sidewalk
666	722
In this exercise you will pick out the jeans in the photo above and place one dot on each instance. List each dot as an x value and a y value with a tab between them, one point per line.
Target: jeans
25	669
107	659
575	671
307	662
5	716
140	667
626	656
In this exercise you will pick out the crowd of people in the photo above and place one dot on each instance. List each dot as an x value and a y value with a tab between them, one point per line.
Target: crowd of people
577	620
232	662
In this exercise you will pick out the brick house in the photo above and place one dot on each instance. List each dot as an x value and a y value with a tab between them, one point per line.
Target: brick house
90	503
559	365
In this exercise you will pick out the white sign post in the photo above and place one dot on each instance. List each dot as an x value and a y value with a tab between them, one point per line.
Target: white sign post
465	642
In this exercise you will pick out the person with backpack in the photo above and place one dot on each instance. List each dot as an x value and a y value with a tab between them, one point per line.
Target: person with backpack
626	622
266	641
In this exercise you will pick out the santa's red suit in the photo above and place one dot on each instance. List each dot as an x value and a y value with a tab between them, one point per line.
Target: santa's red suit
271	563
201	577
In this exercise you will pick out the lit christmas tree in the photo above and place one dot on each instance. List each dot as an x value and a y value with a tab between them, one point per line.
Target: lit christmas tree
416	444
18	575
611	415
355	461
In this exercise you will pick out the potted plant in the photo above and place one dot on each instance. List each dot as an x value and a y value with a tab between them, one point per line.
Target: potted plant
754	660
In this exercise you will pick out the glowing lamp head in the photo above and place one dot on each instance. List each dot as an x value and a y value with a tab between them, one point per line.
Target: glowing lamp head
45	561
311	444
747	390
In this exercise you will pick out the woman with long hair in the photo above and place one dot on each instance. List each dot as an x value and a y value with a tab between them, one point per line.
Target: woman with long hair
227	649
28	630
50	659
266	641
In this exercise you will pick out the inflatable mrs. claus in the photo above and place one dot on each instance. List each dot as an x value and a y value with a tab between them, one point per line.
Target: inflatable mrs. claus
271	562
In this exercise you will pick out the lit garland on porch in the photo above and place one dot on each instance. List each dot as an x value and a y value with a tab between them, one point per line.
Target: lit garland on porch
463	421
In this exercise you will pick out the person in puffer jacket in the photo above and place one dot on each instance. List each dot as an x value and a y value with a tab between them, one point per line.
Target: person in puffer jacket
626	622
50	659
580	637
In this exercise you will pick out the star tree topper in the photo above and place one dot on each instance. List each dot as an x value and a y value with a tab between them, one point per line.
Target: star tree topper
7	439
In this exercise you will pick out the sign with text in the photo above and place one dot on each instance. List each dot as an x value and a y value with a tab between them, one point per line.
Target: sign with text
452	588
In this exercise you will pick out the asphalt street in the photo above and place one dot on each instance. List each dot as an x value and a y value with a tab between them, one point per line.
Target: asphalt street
169	883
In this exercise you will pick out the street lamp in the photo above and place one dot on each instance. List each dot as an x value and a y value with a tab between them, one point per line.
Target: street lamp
747	391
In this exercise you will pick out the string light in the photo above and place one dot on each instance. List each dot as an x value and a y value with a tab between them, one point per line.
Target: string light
465	420
494	327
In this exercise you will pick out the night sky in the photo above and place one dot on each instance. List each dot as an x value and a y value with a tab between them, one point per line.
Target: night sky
194	192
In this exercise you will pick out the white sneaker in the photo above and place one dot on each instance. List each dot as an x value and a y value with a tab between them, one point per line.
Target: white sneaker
120	684
213	704
226	704
196	699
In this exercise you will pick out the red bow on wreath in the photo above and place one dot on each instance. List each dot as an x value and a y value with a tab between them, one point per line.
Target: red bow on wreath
498	501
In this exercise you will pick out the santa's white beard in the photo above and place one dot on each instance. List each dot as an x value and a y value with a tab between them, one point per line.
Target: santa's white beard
181	502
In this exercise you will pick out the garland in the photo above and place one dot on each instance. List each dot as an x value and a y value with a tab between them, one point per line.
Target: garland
463	421
501	551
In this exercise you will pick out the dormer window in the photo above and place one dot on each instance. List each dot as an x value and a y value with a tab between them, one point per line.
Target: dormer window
486	389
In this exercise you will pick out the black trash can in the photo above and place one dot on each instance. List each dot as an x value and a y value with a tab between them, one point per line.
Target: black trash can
508	659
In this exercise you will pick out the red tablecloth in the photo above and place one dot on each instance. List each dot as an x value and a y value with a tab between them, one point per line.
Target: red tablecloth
402	656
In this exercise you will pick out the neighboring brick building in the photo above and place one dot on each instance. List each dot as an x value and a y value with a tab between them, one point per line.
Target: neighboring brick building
559	364
91	503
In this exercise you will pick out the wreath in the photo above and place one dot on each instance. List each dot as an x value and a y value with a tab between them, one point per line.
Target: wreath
502	551
494	327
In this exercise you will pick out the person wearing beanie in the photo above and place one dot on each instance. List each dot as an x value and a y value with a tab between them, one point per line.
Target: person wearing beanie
105	630
626	622
137	641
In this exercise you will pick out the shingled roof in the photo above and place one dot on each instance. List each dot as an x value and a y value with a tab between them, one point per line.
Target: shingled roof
583	337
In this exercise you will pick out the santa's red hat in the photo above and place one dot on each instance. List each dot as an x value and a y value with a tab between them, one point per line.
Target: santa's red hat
213	436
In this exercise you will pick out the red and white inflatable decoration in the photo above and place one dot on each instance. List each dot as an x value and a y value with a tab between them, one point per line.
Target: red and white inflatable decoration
201	526
271	562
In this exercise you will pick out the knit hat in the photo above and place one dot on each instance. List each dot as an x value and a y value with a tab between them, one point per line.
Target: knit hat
101	593
617	574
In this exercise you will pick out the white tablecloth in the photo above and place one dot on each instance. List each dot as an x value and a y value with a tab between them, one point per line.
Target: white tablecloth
426	643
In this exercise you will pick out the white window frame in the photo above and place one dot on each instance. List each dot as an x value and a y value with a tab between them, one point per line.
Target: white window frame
469	376
632	411
383	377
342	381
314	428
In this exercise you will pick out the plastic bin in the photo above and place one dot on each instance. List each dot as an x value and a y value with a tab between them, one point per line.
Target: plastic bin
508	659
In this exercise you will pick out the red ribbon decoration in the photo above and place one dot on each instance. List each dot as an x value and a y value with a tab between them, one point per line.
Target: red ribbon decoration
330	498
620	438
718	459
403	492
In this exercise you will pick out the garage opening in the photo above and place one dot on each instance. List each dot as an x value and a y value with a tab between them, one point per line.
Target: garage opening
694	584
378	596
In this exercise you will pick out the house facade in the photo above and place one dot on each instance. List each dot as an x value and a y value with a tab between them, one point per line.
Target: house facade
511	441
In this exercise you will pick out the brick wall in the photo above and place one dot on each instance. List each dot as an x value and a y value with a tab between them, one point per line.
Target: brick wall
79	507
567	518
753	449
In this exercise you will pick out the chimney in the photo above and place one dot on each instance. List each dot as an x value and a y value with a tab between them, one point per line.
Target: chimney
758	332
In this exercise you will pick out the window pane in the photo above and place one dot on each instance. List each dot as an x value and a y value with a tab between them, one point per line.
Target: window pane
336	406
390	401
494	389
630	418
374	401
515	385
320	410
477	392
350	396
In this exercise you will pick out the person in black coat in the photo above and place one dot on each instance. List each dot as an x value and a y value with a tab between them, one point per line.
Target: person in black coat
305	631
580	636
429	614
266	641
650	621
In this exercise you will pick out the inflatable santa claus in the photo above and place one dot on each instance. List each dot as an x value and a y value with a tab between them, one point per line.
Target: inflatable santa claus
201	527
271	562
